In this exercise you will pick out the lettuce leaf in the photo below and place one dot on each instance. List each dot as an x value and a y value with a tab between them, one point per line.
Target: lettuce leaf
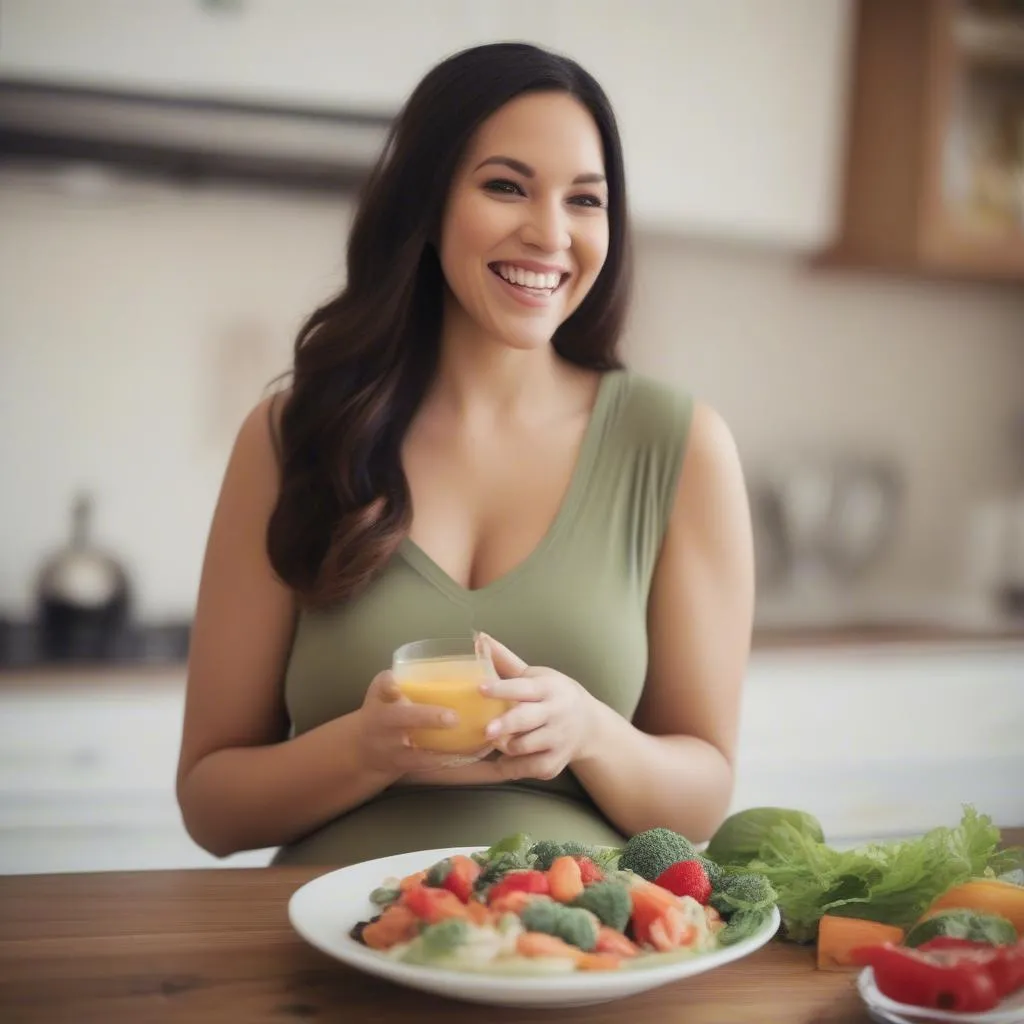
893	883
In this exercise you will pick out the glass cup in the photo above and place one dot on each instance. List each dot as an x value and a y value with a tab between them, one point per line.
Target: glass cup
448	674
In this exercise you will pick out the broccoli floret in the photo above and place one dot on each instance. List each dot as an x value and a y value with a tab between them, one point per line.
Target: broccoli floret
711	869
576	849
384	896
609	901
650	853
743	892
437	941
742	925
519	844
499	867
438	873
572	924
546	852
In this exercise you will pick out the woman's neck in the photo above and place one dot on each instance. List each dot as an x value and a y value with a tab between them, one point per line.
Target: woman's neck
482	379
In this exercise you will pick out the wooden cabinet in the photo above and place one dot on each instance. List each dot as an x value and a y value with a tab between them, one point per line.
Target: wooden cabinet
934	164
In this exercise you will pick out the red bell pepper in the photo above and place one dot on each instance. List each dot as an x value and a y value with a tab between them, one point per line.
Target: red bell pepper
923	979
519	881
1004	964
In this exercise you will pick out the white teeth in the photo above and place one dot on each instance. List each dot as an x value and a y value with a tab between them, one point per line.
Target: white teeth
529	278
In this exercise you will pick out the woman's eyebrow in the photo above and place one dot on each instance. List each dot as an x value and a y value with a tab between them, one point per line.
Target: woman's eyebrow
592	178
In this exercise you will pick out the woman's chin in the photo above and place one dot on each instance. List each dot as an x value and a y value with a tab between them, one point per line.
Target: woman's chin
524	341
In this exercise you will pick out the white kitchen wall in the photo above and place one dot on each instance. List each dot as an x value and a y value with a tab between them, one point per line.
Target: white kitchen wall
139	323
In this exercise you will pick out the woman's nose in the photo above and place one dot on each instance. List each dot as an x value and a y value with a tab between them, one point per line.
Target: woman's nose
547	228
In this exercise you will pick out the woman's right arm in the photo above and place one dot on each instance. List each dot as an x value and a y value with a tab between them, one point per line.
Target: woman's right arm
242	783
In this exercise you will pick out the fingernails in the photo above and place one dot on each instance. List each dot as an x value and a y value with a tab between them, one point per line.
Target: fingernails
449	718
492	730
486	689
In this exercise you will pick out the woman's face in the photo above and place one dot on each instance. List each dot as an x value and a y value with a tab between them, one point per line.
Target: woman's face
525	229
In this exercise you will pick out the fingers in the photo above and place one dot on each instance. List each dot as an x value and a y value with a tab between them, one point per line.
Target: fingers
421	716
531	687
546	765
521	718
506	664
385	688
536	741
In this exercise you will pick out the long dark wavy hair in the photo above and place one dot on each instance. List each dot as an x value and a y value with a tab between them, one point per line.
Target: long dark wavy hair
364	360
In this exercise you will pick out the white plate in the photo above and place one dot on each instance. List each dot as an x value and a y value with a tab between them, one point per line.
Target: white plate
325	909
1009	1011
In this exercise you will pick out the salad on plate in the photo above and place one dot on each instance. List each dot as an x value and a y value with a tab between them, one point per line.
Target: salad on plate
541	907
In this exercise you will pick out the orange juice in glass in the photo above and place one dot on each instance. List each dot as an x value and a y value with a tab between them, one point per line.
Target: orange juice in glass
448	674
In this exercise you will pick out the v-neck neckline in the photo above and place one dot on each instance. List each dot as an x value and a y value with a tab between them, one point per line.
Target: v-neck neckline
567	509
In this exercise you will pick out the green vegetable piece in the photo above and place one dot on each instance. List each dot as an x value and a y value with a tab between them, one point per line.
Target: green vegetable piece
963	924
609	902
739	838
437	941
892	882
649	853
546	852
384	896
570	924
711	869
518	844
502	864
606	857
742	925
743	892
573	848
438	873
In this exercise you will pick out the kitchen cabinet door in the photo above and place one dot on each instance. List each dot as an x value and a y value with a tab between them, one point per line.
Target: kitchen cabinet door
340	53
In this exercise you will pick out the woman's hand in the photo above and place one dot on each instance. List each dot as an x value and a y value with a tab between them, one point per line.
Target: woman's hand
548	726
387	719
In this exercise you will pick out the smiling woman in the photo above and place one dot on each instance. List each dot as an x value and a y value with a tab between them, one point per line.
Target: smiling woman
460	451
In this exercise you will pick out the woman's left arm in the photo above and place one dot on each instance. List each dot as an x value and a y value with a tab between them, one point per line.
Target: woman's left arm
673	766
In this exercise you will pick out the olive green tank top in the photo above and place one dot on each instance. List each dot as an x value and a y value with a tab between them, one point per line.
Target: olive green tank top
578	604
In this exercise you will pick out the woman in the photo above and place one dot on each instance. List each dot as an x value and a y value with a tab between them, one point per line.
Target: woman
460	450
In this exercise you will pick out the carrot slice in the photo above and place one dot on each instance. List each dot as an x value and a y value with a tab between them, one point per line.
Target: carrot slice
839	936
397	924
565	880
539	944
611	941
599	962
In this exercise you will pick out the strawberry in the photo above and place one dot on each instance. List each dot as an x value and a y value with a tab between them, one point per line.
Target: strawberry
589	871
686	878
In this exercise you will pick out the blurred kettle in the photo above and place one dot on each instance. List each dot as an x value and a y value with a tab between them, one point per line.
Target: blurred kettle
831	516
83	594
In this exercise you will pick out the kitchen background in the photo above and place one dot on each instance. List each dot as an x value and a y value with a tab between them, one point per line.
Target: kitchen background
829	201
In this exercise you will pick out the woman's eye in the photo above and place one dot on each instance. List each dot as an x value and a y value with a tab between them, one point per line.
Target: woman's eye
588	200
504	187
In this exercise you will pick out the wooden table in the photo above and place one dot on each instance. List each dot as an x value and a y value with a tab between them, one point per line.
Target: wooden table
216	945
